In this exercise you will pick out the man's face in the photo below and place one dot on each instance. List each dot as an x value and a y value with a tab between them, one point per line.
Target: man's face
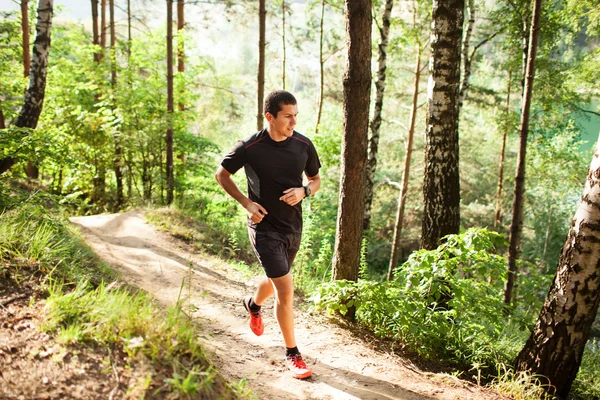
283	125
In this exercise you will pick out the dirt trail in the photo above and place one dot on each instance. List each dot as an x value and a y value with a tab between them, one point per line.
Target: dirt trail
344	366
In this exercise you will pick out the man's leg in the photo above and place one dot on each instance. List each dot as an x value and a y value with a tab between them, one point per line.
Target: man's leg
284	312
263	291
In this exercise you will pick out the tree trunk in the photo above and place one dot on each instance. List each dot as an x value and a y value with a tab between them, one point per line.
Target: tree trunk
118	158
25	30
466	61
169	136
283	43
502	155
355	129
525	50
95	34
129	37
516	225
2	123
180	44
441	185
406	173
376	122
321	68
557	342
102	27
262	16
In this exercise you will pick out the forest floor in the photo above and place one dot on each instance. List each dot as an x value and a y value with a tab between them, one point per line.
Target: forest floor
345	362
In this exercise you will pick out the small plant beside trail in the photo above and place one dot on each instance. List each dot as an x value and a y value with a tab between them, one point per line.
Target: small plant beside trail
128	345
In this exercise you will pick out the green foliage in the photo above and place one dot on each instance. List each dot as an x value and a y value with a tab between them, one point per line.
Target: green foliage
410	308
587	384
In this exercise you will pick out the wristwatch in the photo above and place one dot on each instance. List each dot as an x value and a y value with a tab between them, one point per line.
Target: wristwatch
307	191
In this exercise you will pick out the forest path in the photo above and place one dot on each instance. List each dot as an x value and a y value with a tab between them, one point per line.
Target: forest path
344	366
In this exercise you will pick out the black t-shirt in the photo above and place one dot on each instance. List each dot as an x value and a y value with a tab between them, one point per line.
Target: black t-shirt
272	167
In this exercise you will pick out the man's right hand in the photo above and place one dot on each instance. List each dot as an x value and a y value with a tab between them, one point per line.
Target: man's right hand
256	212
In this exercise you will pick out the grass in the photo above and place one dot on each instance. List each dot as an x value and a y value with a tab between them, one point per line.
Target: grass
82	310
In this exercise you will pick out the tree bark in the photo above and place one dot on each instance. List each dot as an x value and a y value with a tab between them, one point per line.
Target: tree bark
262	16
118	157
25	30
357	91
502	155
321	68
516	225
406	173
376	121
466	61
180	44
36	88
102	27
441	185
169	136
557	342
95	33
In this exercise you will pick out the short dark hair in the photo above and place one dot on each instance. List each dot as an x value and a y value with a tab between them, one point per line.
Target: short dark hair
276	99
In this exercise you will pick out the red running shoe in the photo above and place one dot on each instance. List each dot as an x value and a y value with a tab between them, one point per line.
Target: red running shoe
256	322
298	367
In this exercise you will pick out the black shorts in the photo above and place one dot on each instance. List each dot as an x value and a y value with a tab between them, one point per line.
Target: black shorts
275	251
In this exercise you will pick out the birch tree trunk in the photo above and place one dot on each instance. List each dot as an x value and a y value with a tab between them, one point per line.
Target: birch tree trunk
31	170
516	225
169	135
376	121
406	173
36	88
557	342
357	91
262	16
441	185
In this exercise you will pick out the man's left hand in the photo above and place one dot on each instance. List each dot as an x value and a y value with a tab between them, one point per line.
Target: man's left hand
293	196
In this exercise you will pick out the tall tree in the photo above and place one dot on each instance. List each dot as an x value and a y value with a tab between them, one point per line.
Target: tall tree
516	225
441	185
25	31
95	32
118	156
406	172
357	91
262	16
384	31
556	344
31	169
169	136
102	26
321	67
36	88
502	154
180	43
466	62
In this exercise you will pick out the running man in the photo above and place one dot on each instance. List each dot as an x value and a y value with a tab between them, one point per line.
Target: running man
274	160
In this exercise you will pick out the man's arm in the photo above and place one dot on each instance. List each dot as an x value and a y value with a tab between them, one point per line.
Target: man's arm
256	212
293	196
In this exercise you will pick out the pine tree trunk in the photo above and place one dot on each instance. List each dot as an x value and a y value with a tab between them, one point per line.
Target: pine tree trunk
95	33
406	173
502	155
441	185
180	44
102	27
466	61
169	137
25	30
516	226
262	15
376	122
357	90
321	68
557	342
118	157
